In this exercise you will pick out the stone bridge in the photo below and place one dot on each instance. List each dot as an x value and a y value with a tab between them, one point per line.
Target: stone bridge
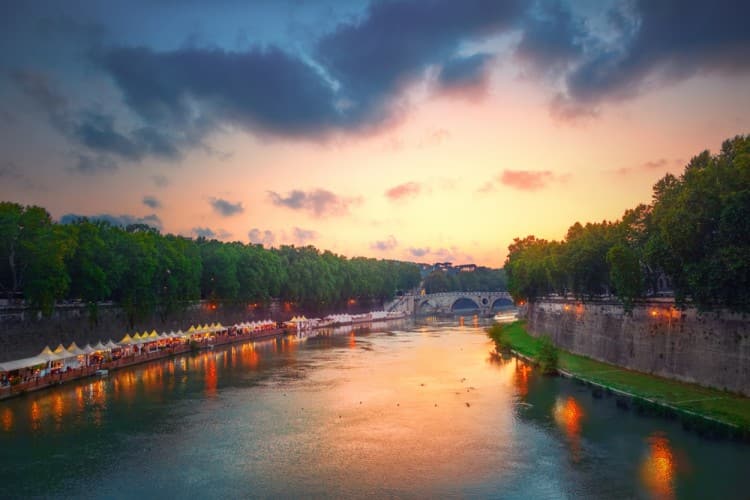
482	303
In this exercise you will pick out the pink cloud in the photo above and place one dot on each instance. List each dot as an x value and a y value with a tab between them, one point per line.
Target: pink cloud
406	190
527	180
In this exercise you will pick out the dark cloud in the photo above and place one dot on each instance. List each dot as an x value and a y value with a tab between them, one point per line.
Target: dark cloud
465	72
318	202
38	87
93	130
116	220
204	232
266	90
152	202
357	73
385	245
552	38
303	236
395	42
662	42
419	252
226	208
266	238
405	190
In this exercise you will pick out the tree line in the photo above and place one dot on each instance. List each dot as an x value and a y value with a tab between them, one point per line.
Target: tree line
695	231
144	271
483	279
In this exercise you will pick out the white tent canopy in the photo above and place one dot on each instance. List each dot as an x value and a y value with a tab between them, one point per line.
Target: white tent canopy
18	364
75	350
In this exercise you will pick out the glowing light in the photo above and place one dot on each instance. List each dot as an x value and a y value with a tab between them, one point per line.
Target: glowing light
654	313
658	468
569	415
7	419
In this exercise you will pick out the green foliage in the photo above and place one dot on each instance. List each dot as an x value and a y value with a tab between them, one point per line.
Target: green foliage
625	274
548	355
482	279
495	332
145	271
696	231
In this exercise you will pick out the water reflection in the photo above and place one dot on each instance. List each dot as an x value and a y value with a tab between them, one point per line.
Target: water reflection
7	419
569	415
521	378
415	412
658	467
212	378
35	416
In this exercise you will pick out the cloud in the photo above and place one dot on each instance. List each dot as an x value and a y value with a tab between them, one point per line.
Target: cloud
465	73
663	164
209	234
303	236
552	38
203	232
116	220
659	43
350	80
526	180
419	252
93	130
266	90
266	238
318	202
384	245
152	202
373	57
226	208
403	191
160	181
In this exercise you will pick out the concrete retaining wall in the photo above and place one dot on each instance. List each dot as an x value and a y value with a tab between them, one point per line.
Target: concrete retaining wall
710	349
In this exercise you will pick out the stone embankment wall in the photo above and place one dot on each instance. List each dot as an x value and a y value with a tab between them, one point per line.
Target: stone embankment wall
710	349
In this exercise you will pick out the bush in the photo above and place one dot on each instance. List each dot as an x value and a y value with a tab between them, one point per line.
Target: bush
194	346
495	332
548	355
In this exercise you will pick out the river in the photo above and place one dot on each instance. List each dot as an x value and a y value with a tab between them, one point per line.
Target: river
404	409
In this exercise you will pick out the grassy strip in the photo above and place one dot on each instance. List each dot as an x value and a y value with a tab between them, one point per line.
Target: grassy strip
725	407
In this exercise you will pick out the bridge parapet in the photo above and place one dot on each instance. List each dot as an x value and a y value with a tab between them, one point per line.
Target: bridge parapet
444	302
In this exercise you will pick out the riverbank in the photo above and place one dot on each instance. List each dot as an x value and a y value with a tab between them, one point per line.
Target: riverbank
698	407
40	383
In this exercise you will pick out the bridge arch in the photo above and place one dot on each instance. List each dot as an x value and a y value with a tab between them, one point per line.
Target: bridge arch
502	303
427	306
465	304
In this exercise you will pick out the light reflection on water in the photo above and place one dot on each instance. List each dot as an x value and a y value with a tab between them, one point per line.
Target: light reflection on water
658	468
569	416
407	411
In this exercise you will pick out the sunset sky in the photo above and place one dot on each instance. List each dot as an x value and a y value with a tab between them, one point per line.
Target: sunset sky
419	130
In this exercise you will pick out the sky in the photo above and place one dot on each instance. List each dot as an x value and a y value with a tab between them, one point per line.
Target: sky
428	130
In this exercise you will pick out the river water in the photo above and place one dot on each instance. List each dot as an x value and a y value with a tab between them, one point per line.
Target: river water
403	409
